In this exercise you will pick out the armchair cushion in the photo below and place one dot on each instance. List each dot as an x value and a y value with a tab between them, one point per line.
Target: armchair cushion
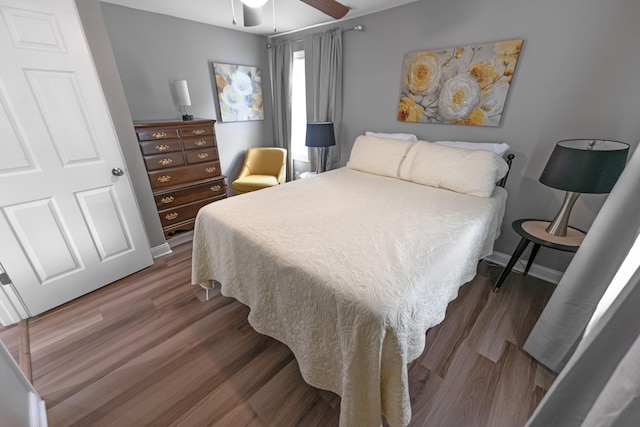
254	182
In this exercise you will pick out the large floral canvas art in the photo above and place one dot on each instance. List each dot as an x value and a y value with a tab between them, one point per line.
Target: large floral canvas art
465	85
239	92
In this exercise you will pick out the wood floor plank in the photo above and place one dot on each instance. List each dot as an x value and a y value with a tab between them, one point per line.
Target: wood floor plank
24	358
238	387
443	340
286	393
153	364
509	315
424	386
510	394
465	394
240	416
149	350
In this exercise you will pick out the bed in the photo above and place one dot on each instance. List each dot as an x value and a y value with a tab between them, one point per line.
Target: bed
350	268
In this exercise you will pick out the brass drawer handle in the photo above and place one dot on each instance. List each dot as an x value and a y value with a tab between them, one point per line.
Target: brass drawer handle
163	147
202	155
164	178
159	135
215	188
211	169
167	199
198	131
165	162
200	143
172	216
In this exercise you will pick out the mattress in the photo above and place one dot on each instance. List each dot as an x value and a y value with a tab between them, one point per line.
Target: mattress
349	270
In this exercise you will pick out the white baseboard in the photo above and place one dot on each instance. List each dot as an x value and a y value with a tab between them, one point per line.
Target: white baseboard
165	248
181	238
544	273
160	250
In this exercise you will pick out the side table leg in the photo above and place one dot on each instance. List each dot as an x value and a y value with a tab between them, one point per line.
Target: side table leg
534	252
516	255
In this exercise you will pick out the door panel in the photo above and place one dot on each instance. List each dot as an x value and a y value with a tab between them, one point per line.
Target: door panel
14	155
102	214
61	106
68	225
44	238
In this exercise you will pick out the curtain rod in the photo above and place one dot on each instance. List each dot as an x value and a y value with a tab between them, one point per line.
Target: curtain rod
356	28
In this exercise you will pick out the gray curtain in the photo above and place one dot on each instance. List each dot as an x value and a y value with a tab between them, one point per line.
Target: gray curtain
281	63
323	67
559	329
600	385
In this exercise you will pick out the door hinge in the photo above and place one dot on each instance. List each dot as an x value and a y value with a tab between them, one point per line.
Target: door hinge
4	277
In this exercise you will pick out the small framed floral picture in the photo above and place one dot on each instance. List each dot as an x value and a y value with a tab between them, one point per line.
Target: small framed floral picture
239	92
465	85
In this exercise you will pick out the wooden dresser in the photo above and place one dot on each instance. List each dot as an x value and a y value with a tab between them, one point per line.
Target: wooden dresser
183	168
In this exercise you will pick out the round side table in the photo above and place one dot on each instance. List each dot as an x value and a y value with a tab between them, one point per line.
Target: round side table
533	230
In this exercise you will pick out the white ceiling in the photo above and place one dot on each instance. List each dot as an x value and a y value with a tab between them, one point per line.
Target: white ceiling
291	15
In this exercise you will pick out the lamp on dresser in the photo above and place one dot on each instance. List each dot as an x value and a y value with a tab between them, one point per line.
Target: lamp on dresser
582	166
320	135
184	100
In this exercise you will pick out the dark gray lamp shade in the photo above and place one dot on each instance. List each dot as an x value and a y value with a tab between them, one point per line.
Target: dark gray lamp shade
585	165
320	134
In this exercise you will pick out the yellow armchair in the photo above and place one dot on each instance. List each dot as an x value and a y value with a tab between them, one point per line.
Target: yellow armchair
263	167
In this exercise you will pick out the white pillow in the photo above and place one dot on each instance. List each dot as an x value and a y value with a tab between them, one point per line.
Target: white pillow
380	156
498	148
402	136
473	172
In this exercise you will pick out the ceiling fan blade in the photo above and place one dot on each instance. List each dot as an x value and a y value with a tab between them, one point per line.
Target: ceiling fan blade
252	16
330	7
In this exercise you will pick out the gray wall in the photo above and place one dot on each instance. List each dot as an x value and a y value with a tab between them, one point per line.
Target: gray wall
102	54
153	50
577	77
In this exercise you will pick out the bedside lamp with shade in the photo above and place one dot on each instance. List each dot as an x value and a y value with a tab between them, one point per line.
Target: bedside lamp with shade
182	92
320	135
582	166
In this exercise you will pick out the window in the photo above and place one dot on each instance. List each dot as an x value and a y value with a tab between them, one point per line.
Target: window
628	267
298	108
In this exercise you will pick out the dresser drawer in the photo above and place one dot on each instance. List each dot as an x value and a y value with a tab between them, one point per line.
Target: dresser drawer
182	213
189	131
199	142
182	174
156	147
167	199
155	134
160	161
205	155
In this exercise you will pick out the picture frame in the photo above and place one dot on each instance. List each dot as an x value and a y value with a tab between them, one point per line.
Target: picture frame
465	85
239	92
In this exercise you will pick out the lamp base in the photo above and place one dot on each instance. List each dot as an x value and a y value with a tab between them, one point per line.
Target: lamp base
187	117
558	226
321	159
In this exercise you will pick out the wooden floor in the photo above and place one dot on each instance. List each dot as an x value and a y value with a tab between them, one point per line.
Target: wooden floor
149	350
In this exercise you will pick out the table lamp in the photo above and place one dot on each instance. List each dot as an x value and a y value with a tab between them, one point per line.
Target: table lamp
582	166
182	92
320	135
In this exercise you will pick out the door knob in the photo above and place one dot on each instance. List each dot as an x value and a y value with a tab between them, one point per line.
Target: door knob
117	171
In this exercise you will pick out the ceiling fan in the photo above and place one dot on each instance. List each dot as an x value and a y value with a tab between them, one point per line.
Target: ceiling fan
252	9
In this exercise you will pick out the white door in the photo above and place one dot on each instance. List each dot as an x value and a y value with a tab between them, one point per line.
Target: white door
68	225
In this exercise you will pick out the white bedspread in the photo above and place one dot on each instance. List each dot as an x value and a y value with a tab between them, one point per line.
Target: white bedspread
349	270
